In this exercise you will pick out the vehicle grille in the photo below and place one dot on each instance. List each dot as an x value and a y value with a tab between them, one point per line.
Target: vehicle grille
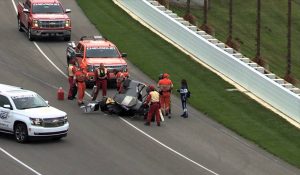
53	122
115	67
52	24
112	68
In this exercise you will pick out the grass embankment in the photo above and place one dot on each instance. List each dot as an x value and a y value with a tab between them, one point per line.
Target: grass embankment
232	109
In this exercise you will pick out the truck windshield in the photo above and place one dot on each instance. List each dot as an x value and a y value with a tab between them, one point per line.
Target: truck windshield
29	101
102	52
47	8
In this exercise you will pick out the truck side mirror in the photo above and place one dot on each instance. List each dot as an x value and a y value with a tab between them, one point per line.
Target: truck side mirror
124	55
25	10
72	44
67	10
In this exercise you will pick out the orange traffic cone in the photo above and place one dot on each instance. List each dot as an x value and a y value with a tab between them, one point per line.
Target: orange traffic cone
60	93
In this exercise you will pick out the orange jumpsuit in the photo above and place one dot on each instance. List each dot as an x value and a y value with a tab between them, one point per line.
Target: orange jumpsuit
80	76
120	78
153	98
101	81
165	85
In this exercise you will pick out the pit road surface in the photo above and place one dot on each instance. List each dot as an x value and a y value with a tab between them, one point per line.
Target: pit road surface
103	144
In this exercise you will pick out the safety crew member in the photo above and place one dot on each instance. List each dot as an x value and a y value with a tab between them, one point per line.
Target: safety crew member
120	77
153	99
71	71
80	77
101	75
165	86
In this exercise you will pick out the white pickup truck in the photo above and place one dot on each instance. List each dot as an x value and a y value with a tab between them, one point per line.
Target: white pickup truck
27	115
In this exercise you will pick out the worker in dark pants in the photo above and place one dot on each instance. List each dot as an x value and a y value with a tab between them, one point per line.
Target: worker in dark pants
184	95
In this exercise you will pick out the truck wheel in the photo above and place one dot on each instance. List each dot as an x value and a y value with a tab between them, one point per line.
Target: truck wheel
67	38
29	34
20	25
20	132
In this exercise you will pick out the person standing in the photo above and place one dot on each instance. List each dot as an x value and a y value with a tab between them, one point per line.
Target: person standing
165	86
120	79
101	75
153	99
71	71
80	77
184	95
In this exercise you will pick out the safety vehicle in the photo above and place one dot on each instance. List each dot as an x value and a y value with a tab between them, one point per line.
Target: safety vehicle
26	115
44	18
91	51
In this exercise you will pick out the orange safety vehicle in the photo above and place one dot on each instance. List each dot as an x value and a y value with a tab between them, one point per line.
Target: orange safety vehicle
44	18
91	51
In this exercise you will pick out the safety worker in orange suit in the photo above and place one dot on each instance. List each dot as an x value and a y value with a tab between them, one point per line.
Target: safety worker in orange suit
153	99
120	77
71	71
80	77
101	75
165	86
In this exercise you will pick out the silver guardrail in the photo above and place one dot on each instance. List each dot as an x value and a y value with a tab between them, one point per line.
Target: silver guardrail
267	86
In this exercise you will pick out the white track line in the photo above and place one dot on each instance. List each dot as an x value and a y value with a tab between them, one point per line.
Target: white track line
8	154
20	162
167	147
130	124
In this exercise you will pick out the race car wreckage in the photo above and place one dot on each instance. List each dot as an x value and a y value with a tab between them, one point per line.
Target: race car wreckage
129	102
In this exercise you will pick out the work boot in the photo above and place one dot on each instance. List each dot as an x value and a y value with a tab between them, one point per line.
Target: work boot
185	115
147	123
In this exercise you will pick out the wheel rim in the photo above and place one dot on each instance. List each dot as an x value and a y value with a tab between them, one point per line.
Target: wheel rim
20	133
19	24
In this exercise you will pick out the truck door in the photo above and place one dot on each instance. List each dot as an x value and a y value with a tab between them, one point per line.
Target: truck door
25	16
5	113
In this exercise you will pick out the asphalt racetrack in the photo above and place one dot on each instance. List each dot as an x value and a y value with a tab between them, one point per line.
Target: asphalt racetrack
109	145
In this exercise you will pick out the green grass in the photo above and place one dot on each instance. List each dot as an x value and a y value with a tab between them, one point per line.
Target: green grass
232	109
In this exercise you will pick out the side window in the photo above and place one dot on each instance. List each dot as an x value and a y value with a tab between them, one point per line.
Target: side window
27	4
80	49
4	101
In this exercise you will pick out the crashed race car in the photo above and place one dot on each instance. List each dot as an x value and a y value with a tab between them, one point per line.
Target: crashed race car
128	102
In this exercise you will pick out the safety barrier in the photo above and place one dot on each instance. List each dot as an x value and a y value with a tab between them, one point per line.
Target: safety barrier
273	90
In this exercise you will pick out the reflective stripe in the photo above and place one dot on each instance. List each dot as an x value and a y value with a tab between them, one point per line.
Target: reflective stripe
101	74
183	91
154	96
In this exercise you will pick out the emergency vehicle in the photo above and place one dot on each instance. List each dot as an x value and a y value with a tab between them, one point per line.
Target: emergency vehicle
93	50
44	18
25	114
